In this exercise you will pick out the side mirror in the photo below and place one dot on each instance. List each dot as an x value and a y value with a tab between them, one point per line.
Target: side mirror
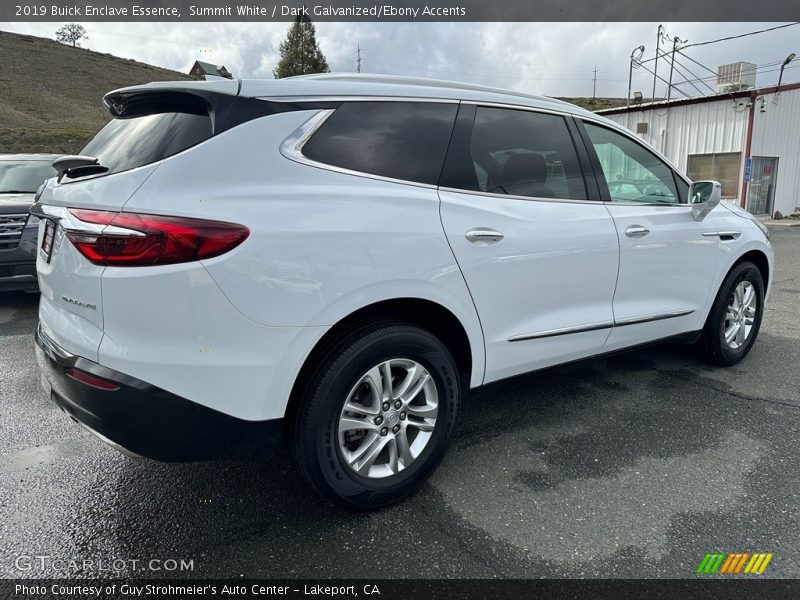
703	197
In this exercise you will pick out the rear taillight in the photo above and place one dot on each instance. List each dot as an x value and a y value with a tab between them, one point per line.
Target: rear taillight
137	240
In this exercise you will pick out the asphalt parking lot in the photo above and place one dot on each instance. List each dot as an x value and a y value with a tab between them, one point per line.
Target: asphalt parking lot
634	465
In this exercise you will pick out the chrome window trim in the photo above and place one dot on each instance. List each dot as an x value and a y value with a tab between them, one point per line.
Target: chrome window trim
662	204
601	325
514	197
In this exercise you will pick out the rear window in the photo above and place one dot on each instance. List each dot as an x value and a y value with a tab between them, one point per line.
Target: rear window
24	176
401	140
149	133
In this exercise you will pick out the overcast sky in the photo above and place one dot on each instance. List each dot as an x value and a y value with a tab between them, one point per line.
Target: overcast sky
555	59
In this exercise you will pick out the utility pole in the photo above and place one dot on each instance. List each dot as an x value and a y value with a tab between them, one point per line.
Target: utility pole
594	85
358	58
655	66
675	41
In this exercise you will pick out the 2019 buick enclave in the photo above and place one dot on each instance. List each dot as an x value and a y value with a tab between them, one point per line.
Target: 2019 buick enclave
339	258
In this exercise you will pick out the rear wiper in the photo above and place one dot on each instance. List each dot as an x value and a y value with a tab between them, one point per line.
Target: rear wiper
73	166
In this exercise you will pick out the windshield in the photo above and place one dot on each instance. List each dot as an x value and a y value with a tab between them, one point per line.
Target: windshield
24	176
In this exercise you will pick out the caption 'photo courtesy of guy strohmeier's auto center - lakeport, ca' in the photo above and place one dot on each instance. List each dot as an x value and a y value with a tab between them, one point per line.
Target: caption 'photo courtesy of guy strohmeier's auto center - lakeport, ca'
358	300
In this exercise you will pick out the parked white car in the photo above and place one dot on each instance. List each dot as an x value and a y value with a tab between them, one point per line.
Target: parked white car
337	259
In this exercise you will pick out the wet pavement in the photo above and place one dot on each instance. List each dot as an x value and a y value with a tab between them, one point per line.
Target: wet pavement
634	465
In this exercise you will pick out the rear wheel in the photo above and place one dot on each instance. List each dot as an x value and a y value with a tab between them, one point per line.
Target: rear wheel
735	317
377	416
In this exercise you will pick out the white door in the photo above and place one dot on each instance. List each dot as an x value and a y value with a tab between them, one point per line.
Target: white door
668	260
539	258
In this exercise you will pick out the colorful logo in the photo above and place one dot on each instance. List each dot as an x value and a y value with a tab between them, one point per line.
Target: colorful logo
732	563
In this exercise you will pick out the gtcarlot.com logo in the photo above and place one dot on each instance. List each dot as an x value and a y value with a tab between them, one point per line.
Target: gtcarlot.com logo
734	563
51	564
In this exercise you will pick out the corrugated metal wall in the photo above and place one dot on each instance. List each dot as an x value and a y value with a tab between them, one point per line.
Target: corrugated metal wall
776	132
721	126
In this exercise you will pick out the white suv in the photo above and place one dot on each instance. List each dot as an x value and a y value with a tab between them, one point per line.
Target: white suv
337	259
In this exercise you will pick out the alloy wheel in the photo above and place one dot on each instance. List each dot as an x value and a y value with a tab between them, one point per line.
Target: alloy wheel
388	418
740	315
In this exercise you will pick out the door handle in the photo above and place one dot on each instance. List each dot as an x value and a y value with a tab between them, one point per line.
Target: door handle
482	235
636	231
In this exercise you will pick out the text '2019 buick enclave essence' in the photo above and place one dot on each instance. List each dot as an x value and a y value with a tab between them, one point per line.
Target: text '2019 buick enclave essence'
338	259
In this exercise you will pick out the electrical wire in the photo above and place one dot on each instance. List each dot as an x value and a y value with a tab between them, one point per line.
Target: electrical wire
736	37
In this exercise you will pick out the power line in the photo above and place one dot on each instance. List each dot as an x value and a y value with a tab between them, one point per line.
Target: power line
686	79
736	37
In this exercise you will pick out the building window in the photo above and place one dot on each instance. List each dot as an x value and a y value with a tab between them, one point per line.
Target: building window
723	167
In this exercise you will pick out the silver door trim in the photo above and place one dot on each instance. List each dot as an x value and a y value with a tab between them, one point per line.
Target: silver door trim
562	331
601	325
652	317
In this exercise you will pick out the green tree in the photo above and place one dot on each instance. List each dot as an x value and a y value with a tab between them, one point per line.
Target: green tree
71	33
300	52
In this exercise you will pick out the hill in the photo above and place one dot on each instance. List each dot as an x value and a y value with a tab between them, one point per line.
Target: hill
51	94
596	103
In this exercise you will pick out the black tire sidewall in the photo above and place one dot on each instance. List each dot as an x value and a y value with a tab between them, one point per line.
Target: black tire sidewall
317	431
718	351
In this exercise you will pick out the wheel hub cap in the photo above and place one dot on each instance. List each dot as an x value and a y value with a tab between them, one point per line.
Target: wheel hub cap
392	418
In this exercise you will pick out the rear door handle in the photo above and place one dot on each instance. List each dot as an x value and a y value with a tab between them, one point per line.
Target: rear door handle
483	235
636	231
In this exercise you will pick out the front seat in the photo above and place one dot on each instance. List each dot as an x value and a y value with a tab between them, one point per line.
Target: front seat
524	175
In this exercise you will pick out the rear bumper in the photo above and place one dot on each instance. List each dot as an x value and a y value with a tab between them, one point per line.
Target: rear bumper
140	419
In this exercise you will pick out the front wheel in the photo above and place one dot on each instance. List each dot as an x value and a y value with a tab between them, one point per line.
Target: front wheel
377	416
735	317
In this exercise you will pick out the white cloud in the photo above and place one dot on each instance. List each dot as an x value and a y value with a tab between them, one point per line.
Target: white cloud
550	58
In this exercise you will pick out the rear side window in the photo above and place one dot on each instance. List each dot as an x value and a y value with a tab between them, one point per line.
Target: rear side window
149	132
519	153
401	140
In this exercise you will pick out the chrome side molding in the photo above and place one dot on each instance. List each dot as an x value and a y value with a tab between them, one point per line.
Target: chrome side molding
601	325
562	331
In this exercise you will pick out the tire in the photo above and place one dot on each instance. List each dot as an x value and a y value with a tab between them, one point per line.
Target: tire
326	439
717	350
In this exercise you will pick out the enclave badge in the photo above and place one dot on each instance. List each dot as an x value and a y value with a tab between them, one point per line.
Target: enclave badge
79	303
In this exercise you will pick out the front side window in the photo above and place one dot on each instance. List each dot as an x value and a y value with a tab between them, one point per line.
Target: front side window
400	140
632	172
520	153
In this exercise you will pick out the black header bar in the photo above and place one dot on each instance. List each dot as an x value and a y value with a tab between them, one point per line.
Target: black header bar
401	10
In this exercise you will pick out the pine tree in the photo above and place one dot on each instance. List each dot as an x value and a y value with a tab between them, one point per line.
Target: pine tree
300	52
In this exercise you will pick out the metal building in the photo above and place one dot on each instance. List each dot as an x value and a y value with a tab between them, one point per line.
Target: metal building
748	140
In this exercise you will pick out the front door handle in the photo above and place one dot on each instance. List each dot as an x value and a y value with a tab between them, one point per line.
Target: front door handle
483	235
636	231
